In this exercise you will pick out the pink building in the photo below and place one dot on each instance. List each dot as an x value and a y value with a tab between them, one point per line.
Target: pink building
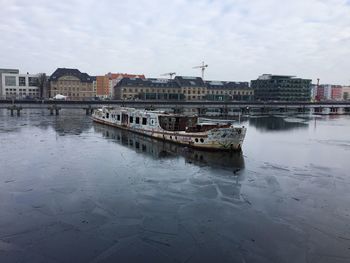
328	92
336	92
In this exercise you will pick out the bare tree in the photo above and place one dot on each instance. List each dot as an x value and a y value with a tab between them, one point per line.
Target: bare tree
42	83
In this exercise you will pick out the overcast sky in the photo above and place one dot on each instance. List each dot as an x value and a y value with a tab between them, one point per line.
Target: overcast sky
239	39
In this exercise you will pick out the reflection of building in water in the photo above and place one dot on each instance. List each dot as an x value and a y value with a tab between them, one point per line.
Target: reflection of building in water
71	124
159	149
277	123
68	122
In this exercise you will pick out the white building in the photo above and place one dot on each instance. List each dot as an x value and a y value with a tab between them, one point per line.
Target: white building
313	92
6	70
327	91
18	86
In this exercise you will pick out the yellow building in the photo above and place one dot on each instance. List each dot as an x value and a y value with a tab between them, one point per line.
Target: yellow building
147	89
193	88
72	83
229	91
182	88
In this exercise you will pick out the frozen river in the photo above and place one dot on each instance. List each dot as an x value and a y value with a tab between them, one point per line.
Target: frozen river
75	191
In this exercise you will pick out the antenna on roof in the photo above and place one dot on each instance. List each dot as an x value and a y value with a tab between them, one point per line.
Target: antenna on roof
170	74
202	67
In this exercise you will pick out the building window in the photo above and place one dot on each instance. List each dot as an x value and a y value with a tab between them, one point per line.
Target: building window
131	119
22	81
137	120
33	82
118	117
10	81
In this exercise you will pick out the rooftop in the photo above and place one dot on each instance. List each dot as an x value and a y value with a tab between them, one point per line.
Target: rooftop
59	72
189	81
271	76
9	70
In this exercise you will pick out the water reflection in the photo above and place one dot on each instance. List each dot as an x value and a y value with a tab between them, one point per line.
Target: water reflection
274	123
159	149
70	122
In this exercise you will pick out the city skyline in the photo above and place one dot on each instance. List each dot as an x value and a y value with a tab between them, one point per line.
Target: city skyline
239	40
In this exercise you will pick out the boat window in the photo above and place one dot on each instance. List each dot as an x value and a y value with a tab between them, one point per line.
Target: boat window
137	120
196	140
118	117
144	121
131	119
202	140
107	115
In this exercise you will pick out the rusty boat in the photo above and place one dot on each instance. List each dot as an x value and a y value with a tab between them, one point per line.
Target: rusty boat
176	128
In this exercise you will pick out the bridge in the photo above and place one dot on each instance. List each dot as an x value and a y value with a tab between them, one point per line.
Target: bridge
217	108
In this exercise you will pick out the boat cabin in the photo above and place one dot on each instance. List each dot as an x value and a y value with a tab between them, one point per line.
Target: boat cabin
186	123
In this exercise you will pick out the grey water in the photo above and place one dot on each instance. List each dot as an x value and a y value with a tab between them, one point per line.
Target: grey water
75	191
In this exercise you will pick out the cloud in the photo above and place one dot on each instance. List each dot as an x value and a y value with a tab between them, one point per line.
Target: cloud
238	39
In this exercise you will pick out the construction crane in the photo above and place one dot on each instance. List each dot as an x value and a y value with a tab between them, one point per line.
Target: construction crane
170	74
202	67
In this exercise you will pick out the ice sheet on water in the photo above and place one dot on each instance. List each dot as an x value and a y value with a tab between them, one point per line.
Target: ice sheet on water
341	143
294	120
